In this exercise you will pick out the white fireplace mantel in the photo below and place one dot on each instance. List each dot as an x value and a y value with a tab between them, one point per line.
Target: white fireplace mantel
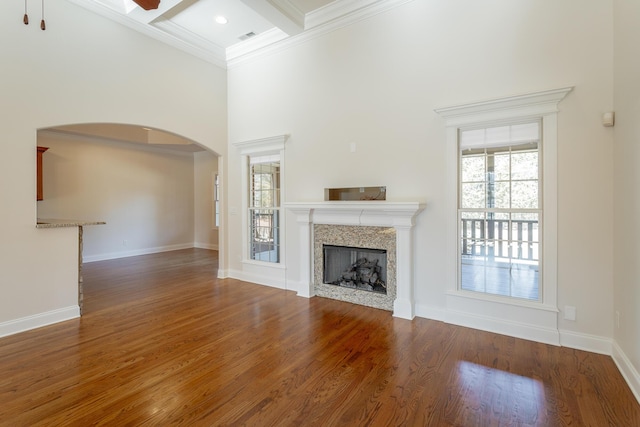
399	215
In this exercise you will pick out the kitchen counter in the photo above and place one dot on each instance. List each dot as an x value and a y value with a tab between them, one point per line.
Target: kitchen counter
57	223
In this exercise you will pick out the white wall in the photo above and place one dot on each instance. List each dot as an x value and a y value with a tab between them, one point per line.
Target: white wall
146	196
627	191
82	69
376	84
205	167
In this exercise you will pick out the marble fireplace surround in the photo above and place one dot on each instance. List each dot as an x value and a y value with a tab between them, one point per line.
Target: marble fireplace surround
399	215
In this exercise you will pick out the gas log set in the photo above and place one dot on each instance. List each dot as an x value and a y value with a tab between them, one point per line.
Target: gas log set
363	274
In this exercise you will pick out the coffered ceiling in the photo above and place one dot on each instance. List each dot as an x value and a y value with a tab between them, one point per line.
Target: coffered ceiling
252	25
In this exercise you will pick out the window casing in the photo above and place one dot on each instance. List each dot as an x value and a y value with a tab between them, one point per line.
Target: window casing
531	319
263	231
216	200
499	210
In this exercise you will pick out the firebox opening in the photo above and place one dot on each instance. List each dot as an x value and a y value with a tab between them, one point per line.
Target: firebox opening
356	268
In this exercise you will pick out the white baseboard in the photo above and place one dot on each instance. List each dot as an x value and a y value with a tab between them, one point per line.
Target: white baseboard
586	342
136	252
210	246
429	312
626	368
257	279
500	326
38	320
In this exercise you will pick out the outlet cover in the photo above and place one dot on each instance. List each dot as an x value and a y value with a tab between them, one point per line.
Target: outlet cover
569	312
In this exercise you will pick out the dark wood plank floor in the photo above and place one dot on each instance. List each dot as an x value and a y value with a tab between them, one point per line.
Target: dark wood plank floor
163	342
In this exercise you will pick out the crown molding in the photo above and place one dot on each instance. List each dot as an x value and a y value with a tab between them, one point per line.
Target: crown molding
207	54
323	21
254	44
269	144
529	105
317	23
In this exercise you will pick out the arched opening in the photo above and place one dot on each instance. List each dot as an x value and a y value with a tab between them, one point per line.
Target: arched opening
156	191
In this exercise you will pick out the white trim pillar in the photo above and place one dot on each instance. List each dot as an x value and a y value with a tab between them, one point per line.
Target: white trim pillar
404	305
305	283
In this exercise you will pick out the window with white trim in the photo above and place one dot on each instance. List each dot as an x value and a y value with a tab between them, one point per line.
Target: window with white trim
499	210
263	233
264	208
538	219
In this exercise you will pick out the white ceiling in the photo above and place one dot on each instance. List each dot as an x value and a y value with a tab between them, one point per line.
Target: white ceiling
190	24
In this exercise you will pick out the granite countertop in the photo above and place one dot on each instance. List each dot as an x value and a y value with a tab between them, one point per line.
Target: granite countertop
57	223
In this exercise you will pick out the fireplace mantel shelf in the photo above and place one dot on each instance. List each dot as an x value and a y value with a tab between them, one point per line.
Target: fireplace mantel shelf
400	215
368	212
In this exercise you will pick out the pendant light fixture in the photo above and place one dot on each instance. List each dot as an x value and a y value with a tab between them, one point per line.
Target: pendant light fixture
26	17
42	24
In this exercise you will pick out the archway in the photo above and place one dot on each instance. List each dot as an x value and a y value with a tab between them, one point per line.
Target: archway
155	190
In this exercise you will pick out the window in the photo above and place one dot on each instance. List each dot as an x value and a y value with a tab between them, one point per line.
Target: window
499	210
216	200
262	185
501	179
264	208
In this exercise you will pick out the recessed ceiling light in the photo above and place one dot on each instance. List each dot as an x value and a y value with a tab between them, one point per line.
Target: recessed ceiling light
221	20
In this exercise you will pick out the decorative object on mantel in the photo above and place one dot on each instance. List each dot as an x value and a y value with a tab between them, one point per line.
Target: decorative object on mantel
355	193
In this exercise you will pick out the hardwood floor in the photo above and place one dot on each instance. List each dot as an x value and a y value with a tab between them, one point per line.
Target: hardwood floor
163	342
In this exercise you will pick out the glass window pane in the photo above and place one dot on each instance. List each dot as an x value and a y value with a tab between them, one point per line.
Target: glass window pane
263	218
500	195
473	273
524	195
501	167
473	195
500	251
524	165
473	168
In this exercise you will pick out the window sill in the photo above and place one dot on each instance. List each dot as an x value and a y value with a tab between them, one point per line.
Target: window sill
277	265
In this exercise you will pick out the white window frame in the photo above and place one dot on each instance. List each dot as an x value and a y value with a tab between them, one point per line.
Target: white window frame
261	147
274	208
216	201
539	210
531	319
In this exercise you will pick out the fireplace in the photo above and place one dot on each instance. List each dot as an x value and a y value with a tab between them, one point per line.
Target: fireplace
355	268
375	226
348	246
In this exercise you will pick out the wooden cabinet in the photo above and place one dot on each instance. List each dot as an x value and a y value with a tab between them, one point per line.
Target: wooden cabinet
41	150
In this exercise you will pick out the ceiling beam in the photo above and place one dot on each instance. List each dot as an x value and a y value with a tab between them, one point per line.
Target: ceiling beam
281	13
148	4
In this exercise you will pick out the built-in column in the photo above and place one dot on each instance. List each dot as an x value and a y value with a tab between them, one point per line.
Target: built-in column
404	305
305	283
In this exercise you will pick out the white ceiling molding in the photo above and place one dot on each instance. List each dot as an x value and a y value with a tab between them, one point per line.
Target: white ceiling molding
530	105
179	23
261	41
282	14
272	144
339	15
153	31
180	33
